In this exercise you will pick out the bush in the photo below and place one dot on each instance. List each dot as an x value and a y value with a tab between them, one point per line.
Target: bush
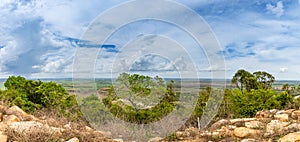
31	95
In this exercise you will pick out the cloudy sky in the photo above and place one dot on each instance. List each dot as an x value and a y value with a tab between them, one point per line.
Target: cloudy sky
38	38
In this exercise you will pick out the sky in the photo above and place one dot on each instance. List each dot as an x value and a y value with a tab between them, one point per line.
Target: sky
40	38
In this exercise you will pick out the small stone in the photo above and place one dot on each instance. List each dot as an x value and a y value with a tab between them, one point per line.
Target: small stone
73	140
231	127
118	140
156	139
282	117
178	134
248	140
291	137
281	112
219	124
106	134
88	128
274	111
255	124
263	114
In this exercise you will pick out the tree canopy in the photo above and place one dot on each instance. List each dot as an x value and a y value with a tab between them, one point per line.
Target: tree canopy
245	80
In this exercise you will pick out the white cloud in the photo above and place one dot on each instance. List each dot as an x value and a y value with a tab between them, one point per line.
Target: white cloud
277	10
283	69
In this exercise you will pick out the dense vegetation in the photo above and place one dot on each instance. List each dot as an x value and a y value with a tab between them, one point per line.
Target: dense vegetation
32	95
131	88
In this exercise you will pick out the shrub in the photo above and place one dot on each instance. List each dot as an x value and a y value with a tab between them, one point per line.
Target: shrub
31	95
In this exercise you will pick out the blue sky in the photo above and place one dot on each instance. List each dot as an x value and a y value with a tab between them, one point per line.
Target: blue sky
38	38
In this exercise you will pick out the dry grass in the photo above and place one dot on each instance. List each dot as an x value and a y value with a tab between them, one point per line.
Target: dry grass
39	134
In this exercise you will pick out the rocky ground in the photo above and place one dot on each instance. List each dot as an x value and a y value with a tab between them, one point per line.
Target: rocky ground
268	125
18	126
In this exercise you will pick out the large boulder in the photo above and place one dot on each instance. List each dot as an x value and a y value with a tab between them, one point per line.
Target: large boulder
31	126
291	137
276	126
282	117
15	110
7	119
243	132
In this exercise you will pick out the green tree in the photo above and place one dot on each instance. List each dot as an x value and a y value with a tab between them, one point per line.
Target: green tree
160	98
32	95
134	87
244	80
264	79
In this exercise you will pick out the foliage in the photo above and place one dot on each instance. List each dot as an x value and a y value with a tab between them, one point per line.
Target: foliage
244	80
33	95
132	88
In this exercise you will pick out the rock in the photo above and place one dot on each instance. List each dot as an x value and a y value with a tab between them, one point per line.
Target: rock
280	112
118	140
219	124
10	118
233	121
230	127
15	110
282	117
289	111
291	137
1	116
243	132
2	108
295	114
68	126
73	140
87	128
248	140
179	134
263	114
191	131
273	111
106	134
156	139
255	124
276	126
292	128
28	126
3	138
